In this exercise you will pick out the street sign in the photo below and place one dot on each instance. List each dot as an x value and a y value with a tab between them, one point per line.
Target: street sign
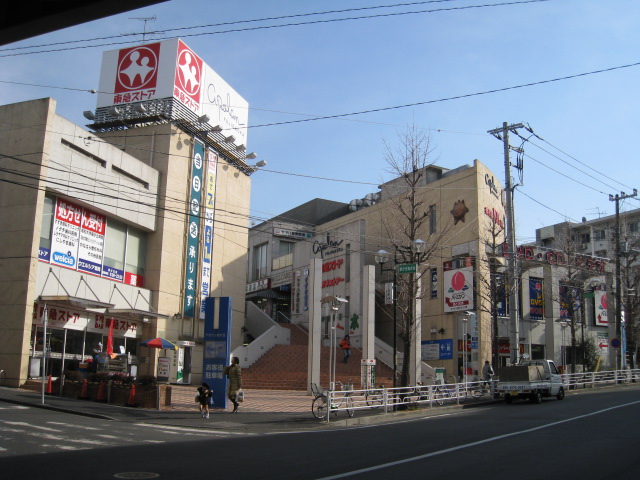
407	268
615	342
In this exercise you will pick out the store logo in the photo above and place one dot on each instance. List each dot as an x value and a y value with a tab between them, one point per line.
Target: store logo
64	258
137	68
189	72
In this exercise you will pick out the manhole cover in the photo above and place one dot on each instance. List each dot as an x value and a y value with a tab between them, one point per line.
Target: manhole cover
136	475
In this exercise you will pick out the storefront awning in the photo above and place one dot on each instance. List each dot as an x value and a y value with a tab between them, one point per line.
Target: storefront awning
135	313
75	301
266	294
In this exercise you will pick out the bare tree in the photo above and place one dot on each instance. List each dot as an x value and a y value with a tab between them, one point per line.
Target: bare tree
412	217
492	290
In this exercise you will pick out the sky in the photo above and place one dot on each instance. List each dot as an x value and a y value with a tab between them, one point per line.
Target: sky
569	69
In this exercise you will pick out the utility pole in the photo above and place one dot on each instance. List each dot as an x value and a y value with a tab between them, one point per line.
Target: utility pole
616	198
514	337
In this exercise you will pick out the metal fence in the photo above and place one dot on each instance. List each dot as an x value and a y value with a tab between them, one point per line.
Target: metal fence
348	401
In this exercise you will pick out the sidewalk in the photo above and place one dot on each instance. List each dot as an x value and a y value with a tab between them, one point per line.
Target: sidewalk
264	411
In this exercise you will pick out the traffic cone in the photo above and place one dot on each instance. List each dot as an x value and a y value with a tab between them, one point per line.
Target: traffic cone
49	386
132	397
84	393
100	397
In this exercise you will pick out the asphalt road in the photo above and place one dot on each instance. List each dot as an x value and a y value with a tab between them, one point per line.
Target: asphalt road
590	436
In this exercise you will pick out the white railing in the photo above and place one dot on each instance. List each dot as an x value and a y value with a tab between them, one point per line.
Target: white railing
349	401
592	379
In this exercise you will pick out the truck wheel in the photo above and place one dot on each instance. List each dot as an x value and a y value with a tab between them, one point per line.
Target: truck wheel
560	394
508	398
536	397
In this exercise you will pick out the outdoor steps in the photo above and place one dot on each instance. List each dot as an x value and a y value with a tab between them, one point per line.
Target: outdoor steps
284	367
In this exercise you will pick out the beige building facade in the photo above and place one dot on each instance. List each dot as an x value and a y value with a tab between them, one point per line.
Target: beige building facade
94	227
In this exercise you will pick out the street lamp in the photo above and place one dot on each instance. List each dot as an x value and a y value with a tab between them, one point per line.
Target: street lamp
465	320
334	303
417	247
563	326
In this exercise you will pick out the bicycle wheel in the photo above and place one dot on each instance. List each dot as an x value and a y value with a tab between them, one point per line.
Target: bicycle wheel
462	395
440	396
350	410
319	407
374	398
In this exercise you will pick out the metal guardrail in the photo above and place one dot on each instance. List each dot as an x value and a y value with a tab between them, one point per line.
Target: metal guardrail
433	396
593	379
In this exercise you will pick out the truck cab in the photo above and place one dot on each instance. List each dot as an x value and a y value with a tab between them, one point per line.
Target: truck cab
532	379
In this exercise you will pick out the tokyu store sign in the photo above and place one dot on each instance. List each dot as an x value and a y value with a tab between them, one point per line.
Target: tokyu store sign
170	69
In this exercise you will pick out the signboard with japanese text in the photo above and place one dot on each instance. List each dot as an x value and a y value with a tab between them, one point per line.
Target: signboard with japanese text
193	233
207	240
65	234
536	299
170	69
72	319
458	285
601	307
437	349
217	346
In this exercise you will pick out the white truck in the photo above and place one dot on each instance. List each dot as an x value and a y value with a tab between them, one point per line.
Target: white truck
532	379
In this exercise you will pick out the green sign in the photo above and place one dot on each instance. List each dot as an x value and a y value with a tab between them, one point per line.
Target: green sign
408	268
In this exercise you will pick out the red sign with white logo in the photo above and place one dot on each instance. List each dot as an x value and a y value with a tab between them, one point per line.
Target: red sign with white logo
137	68
188	81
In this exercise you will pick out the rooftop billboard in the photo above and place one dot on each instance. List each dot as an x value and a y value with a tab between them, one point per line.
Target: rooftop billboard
170	69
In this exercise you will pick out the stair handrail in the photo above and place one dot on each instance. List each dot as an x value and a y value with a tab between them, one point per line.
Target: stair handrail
267	333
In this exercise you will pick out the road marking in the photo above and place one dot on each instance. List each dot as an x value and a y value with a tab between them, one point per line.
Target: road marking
473	444
201	431
37	427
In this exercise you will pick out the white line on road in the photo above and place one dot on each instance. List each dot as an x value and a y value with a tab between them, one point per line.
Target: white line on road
472	444
192	430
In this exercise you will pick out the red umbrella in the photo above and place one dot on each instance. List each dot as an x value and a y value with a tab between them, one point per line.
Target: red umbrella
159	343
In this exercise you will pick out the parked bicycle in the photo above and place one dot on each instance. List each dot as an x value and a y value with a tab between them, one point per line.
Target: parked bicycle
343	401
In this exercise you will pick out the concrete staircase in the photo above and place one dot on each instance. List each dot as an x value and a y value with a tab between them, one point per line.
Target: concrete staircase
284	367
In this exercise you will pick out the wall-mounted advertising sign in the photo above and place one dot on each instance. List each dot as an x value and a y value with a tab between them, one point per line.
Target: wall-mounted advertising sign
299	235
602	306
536	299
458	285
170	69
207	240
193	232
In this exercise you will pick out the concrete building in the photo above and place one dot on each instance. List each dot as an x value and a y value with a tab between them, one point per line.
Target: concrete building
118	234
463	206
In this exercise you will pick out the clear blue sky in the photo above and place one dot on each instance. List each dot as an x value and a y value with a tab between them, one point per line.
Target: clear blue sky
330	68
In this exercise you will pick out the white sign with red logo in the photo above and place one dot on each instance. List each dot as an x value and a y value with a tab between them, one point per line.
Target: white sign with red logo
458	289
91	245
601	308
170	69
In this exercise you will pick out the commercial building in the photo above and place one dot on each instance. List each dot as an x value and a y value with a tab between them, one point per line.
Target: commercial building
118	234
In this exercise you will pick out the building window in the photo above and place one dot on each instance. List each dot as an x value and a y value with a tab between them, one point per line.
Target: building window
285	247
633	227
599	235
115	242
432	219
585	238
347	263
136	251
47	221
259	261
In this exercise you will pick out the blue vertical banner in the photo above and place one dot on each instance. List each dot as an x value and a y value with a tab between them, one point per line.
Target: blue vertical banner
217	346
536	299
193	233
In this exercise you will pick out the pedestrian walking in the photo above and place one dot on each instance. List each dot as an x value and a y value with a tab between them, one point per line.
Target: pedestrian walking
204	398
345	344
487	373
234	372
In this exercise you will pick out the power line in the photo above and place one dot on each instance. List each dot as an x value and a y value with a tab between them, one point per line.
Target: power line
236	30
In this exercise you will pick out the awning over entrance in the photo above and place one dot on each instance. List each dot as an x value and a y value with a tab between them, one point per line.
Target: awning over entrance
75	301
135	313
266	294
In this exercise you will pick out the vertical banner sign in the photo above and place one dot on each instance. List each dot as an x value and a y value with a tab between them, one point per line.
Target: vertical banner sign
207	243
217	346
434	283
458	285
502	299
602	305
536	299
193	232
66	234
91	246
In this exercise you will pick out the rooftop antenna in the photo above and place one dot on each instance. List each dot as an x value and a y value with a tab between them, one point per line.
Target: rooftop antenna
145	20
